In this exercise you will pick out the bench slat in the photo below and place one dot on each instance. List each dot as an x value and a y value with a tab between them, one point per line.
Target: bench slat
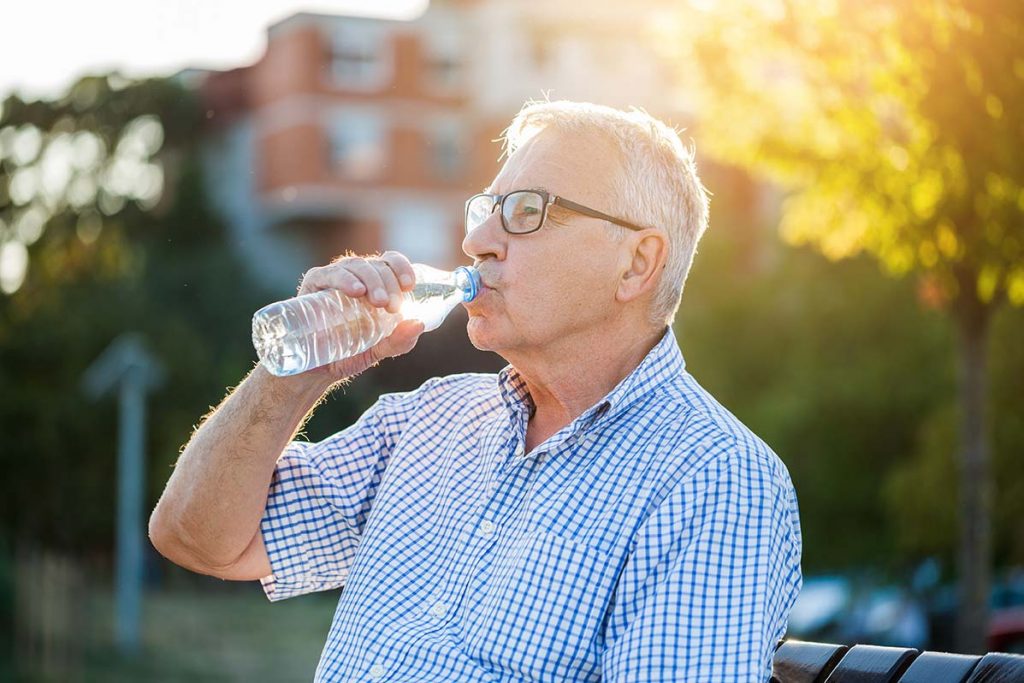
997	667
940	667
799	662
872	664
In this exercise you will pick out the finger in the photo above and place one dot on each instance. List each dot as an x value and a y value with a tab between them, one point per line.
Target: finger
370	277
332	277
390	281
401	267
402	339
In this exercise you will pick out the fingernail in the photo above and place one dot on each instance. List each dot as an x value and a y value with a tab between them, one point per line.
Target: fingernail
359	287
380	295
406	281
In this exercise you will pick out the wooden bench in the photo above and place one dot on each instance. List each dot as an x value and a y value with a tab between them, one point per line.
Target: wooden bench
802	662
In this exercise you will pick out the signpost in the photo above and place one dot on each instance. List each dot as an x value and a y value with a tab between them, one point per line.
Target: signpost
133	371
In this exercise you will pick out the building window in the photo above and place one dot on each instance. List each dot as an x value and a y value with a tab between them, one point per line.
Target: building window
420	231
444	60
447	152
445	72
360	57
358	145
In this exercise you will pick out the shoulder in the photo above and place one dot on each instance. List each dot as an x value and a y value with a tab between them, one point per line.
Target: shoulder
706	441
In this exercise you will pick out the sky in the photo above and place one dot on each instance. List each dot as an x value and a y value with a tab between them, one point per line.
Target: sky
46	45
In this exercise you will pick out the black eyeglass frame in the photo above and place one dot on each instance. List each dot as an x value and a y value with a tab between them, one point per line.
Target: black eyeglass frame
548	200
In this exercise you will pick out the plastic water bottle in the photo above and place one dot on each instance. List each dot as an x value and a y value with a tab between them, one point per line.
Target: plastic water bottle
315	329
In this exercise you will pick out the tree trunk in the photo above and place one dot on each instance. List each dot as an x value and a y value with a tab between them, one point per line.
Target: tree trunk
974	554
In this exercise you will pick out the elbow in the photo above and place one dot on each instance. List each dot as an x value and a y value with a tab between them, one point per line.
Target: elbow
163	537
174	543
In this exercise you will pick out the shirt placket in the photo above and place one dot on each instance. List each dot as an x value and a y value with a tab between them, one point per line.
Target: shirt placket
507	491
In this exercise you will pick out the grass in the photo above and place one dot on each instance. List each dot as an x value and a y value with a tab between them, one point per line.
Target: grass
215	632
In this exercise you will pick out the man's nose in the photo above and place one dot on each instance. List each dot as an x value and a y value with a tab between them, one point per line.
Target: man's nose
486	240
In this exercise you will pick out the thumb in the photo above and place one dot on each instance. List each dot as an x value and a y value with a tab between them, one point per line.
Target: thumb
401	340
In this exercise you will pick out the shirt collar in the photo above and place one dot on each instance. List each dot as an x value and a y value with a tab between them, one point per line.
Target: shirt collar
662	364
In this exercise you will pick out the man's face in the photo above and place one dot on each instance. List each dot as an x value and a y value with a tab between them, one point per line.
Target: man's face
547	286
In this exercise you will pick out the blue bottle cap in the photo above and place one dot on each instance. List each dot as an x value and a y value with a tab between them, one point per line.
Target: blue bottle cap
467	278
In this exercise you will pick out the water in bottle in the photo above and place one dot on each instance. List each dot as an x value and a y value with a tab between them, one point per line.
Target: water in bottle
311	330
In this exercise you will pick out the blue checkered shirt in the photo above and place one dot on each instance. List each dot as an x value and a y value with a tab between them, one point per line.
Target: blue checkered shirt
654	538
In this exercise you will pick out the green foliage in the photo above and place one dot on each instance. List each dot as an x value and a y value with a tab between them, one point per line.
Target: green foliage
851	381
891	122
919	489
830	364
157	265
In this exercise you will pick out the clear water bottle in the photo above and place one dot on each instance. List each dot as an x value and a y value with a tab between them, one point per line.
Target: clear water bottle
311	330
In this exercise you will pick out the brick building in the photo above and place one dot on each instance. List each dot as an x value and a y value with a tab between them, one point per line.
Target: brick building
368	134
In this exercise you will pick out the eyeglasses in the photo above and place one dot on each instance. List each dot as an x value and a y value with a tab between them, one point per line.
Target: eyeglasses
524	211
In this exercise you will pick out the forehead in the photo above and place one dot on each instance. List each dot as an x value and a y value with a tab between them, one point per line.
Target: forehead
579	166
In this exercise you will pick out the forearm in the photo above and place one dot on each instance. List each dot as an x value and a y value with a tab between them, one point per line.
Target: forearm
215	498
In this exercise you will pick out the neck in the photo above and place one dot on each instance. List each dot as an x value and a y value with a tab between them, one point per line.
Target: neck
568	377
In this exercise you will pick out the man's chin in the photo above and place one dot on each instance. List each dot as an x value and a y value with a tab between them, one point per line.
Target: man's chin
479	334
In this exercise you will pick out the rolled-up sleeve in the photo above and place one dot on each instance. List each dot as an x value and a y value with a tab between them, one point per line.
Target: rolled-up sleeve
707	589
320	496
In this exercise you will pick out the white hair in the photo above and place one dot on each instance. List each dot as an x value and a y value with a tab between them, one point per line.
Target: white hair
658	186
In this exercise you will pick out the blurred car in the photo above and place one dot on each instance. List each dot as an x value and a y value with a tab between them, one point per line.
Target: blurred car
1006	619
842	609
821	605
1006	630
856	608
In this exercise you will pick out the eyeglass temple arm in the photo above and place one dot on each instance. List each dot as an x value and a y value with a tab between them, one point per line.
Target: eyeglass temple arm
579	208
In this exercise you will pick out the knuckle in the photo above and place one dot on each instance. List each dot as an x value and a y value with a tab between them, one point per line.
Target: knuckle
356	268
352	264
310	278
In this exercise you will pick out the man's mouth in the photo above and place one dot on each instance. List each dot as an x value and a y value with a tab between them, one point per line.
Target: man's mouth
486	281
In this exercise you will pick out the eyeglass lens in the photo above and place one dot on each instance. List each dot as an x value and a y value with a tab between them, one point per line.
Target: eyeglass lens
521	211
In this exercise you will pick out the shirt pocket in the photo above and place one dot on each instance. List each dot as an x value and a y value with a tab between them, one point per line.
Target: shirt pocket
540	611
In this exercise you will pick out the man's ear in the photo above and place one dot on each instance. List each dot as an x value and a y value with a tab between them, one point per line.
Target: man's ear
644	255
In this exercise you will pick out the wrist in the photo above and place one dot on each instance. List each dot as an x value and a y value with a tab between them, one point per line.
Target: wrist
305	388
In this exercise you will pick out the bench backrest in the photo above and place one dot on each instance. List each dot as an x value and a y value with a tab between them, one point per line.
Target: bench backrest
803	662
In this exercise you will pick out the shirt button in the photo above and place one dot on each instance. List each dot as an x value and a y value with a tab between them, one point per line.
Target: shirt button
439	609
520	451
377	672
486	528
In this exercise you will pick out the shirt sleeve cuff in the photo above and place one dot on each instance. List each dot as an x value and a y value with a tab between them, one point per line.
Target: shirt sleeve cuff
308	543
290	574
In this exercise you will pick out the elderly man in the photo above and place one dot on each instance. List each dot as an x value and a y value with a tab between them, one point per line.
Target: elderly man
590	513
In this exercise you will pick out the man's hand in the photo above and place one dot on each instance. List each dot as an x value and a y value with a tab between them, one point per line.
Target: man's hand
381	280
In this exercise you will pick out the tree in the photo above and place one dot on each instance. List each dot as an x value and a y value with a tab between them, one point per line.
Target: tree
891	126
105	227
802	351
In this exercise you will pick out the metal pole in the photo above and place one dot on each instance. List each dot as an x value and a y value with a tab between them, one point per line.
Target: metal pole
131	437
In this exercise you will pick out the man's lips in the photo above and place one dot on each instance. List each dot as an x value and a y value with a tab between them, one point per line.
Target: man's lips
486	282
482	292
